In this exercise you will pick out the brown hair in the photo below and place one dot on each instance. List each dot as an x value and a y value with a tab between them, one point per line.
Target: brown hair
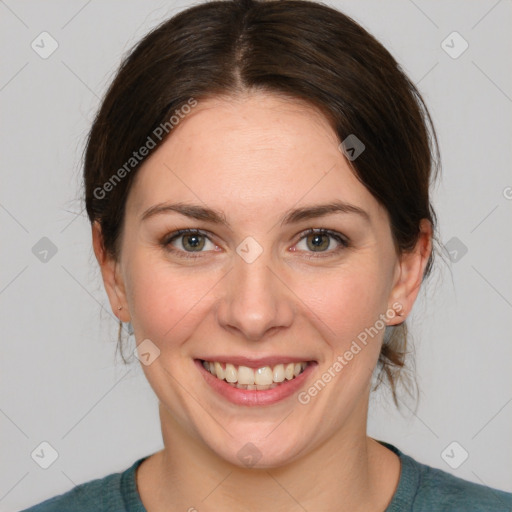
296	48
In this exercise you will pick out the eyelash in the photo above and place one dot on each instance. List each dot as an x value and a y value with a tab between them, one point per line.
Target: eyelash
342	240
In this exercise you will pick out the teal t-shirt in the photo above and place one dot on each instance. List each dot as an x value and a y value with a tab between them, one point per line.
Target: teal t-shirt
421	488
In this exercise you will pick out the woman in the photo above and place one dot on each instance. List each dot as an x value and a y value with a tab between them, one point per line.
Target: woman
257	181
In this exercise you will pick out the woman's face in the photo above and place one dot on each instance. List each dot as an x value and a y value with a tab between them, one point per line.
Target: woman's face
253	283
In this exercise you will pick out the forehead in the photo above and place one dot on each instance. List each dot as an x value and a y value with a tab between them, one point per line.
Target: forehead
259	151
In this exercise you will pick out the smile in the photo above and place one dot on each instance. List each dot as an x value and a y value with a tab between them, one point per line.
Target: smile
243	377
259	386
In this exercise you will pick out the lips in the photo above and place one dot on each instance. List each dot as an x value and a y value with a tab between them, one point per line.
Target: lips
266	395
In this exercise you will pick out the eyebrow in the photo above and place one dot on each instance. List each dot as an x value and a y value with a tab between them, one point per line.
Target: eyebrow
290	217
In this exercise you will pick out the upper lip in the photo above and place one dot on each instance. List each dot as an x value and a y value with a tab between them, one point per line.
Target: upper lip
256	362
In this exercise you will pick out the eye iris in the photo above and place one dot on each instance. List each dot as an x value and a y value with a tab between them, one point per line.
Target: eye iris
196	244
317	242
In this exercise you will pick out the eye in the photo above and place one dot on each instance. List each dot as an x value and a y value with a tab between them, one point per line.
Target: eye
320	241
187	241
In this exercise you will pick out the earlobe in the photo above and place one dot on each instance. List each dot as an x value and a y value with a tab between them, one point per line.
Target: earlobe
411	269
108	266
396	313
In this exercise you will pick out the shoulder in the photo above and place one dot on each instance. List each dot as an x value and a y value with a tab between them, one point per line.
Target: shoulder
453	493
424	488
116	491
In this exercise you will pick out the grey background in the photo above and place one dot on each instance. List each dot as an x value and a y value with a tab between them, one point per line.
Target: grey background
60	379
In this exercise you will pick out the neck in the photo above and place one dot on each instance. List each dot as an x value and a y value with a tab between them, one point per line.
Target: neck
348	472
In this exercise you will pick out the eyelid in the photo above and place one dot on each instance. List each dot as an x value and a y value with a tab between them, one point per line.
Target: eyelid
170	237
324	231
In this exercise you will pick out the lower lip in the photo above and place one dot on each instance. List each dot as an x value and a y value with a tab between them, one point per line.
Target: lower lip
253	397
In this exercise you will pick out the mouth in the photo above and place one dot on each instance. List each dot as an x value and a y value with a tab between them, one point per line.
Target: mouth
257	385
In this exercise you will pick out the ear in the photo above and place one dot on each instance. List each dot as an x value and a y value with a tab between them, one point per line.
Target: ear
114	285
409	274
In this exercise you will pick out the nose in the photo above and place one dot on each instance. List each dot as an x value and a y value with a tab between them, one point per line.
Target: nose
255	299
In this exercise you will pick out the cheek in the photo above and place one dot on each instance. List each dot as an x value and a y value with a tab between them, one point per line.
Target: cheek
166	303
347	301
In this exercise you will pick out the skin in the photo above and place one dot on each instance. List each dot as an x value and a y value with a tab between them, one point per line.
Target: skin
254	157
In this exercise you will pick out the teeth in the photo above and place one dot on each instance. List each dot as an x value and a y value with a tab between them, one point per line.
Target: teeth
231	373
263	376
278	375
219	371
244	377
